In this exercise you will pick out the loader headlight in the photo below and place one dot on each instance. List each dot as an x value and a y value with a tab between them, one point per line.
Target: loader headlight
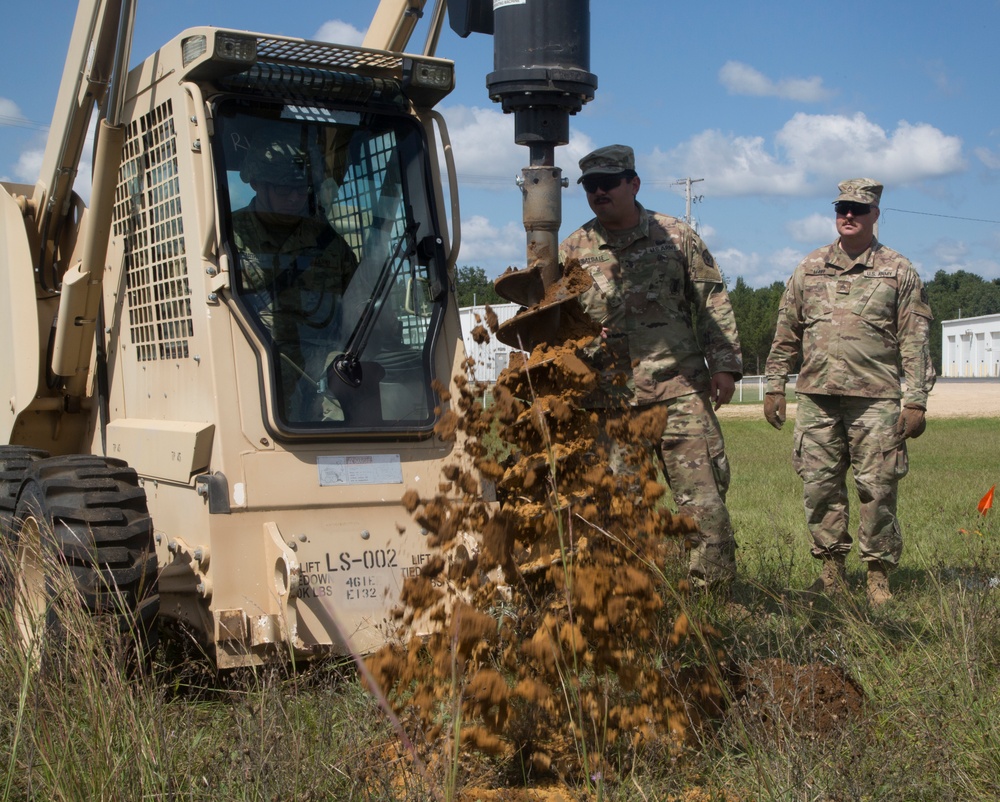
193	47
230	53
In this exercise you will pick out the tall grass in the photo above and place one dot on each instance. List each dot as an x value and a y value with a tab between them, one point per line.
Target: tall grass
927	662
928	665
85	727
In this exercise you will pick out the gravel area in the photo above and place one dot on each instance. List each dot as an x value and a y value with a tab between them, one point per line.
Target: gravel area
950	398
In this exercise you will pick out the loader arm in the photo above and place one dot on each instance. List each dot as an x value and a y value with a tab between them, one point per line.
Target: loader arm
93	78
394	22
91	61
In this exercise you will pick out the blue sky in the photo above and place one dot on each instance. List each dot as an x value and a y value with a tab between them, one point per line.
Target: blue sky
770	103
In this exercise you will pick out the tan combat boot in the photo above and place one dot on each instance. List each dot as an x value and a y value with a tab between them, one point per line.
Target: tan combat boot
878	584
833	577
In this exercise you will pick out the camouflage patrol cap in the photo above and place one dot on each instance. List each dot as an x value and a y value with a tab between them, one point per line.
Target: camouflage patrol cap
860	190
607	161
275	162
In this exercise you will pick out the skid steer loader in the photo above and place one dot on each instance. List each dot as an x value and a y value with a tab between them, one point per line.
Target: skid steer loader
223	374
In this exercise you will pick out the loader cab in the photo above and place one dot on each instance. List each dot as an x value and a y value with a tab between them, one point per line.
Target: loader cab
338	272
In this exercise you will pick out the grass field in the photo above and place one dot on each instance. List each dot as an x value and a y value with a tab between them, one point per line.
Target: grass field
926	665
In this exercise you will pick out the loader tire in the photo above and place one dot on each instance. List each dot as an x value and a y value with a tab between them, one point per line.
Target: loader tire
14	461
84	542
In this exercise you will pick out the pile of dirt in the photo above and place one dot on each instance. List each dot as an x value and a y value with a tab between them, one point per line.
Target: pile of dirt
812	701
560	643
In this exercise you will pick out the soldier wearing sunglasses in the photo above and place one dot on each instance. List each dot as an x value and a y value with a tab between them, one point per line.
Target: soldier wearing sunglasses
668	338
856	313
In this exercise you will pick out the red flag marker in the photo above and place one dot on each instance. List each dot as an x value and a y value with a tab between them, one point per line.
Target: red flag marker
986	501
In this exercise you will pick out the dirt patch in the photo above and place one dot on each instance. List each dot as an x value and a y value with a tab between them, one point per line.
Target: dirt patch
948	399
814	701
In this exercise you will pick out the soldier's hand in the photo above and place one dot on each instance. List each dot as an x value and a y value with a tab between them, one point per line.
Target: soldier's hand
912	421
774	409
723	387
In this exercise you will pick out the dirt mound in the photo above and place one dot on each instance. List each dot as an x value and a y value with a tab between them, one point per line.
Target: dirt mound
812	701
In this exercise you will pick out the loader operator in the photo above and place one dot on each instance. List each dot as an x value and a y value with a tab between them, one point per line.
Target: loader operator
294	269
669	330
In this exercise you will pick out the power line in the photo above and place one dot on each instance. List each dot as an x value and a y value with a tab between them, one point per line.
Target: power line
949	216
21	122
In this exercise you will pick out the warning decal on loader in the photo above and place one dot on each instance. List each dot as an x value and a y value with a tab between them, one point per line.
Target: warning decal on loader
360	469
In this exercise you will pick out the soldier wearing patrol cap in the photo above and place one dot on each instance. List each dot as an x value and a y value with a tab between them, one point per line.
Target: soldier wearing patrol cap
293	267
668	338
857	314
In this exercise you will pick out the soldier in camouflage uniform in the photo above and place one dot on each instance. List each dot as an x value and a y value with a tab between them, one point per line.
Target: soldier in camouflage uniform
857	314
666	316
294	269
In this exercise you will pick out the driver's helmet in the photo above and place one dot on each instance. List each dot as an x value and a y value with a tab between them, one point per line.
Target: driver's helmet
276	162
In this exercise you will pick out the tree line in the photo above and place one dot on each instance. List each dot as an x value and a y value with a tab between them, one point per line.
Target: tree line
951	295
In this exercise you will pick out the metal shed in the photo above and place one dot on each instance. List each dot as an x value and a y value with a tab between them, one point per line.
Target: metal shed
491	358
970	347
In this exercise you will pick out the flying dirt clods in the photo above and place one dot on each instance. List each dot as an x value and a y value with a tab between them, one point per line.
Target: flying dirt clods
560	642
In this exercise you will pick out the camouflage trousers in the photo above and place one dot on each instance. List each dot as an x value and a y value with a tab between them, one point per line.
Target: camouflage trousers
832	434
691	452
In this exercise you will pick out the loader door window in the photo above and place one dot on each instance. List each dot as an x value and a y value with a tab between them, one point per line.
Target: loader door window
330	230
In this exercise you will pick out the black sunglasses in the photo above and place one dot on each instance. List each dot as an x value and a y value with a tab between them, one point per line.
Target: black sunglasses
592	183
850	207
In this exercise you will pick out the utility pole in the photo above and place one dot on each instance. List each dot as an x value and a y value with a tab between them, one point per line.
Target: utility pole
687	182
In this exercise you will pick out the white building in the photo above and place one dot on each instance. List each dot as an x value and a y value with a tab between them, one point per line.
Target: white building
970	347
492	357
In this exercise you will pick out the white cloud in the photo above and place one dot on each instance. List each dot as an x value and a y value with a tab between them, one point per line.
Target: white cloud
489	162
938	73
834	145
492	248
730	165
342	33
784	261
758	270
706	231
568	157
988	158
742	79
10	114
952	255
28	167
486	155
951	252
483	143
814	229
735	263
810	154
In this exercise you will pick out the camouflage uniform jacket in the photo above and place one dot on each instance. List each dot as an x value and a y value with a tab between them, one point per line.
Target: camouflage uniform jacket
661	298
862	325
291	275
